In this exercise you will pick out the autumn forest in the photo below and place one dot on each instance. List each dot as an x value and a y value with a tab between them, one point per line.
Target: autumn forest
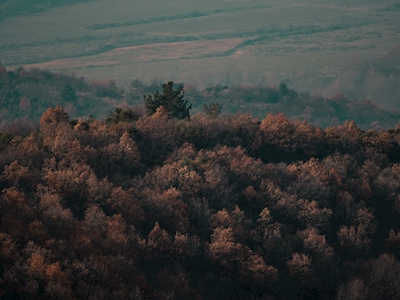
168	192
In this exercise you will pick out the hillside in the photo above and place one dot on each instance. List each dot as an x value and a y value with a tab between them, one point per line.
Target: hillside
151	207
185	149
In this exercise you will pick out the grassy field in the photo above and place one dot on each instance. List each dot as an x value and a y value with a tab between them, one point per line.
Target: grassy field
306	43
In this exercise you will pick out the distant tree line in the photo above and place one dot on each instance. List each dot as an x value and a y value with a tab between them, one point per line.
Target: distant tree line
26	94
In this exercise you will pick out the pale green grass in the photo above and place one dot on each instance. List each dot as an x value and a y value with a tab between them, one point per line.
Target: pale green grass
226	42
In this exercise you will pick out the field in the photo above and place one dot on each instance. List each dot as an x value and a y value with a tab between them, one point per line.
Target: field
309	44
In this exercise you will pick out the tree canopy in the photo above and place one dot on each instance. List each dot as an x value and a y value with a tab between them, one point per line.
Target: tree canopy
150	207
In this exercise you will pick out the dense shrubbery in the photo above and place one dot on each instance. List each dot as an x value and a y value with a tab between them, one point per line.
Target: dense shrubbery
151	207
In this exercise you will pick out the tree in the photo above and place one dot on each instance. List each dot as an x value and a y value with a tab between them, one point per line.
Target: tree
283	89
353	289
121	115
171	100
383	277
300	267
159	243
52	118
212	111
68	94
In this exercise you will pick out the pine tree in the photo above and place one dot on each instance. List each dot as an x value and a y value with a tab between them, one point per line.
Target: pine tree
171	100
68	94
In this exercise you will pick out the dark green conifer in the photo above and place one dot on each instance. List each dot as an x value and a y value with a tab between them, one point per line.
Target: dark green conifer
172	100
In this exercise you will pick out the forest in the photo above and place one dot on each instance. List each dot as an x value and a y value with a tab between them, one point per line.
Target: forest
152	201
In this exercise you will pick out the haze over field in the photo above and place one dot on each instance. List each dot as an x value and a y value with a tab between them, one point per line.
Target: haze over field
315	46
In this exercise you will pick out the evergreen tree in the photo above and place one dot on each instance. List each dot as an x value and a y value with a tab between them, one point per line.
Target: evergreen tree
171	100
68	94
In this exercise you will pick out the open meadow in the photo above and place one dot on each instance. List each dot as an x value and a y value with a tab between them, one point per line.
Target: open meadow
316	46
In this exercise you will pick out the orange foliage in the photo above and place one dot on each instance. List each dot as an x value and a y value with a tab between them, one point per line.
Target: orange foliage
300	266
205	208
